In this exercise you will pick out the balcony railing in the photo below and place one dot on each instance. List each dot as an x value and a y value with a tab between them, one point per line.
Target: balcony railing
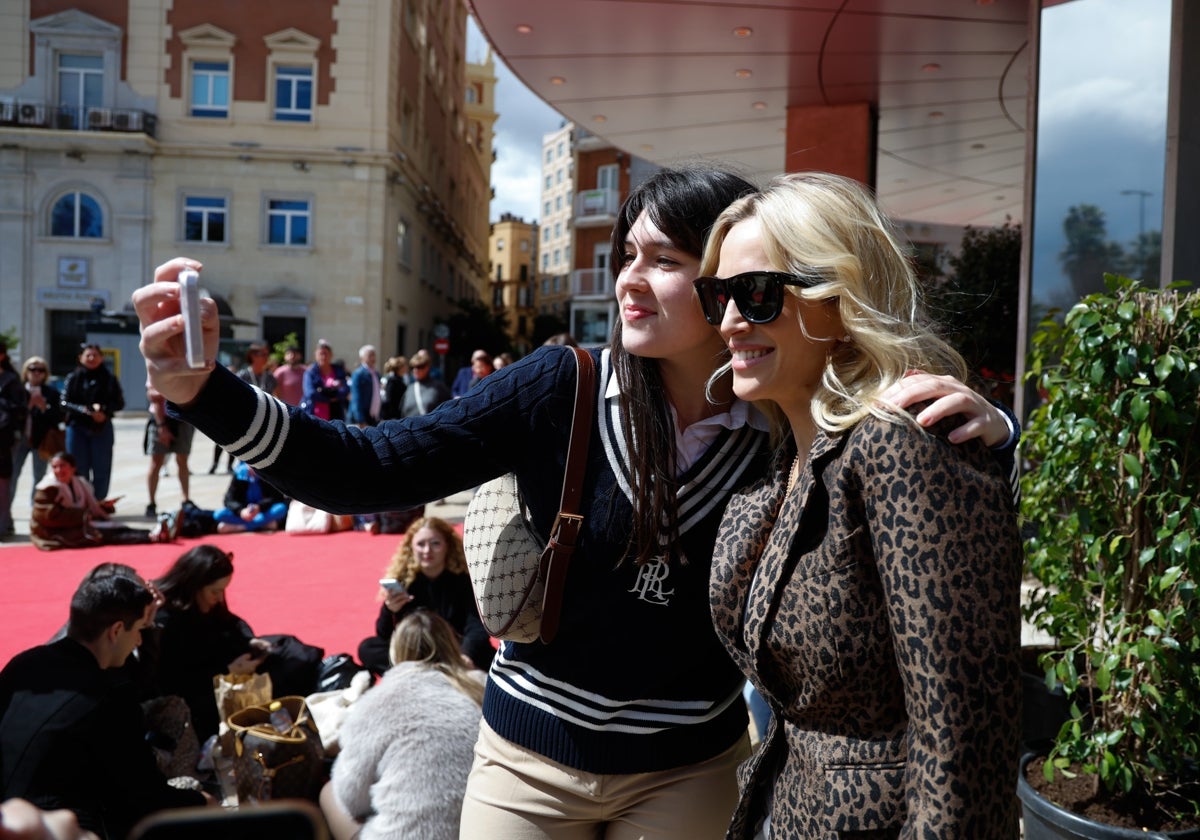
29	114
591	282
596	206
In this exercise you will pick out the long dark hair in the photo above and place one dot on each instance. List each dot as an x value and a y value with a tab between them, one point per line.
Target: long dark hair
682	203
191	572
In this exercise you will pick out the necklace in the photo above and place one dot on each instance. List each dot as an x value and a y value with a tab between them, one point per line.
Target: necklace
793	472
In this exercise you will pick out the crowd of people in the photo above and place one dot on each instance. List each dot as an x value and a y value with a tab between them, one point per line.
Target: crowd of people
787	482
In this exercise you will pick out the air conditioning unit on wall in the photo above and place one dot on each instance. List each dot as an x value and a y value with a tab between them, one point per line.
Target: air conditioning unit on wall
31	113
99	118
127	121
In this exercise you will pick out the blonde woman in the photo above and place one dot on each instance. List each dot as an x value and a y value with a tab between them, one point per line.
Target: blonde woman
429	571
869	585
404	775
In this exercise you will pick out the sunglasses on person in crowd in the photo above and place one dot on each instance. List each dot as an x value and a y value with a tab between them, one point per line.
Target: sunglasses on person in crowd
758	294
421	366
36	370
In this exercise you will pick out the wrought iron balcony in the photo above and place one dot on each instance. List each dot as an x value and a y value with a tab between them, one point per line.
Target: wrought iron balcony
593	283
23	113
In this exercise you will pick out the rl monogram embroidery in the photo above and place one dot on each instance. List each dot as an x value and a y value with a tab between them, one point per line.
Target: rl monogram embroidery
649	583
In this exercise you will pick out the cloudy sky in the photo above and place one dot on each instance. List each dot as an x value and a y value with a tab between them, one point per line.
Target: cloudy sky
1101	125
524	118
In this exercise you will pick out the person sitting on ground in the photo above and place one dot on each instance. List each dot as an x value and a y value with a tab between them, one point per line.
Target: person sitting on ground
251	504
165	434
73	737
382	785
432	569
198	636
66	513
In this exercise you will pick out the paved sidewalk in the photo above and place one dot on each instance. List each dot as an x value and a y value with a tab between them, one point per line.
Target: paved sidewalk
130	467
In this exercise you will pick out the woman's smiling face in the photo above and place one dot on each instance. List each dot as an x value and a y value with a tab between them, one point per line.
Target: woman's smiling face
661	317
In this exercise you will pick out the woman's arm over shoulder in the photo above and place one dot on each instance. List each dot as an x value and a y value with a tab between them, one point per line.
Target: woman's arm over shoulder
944	536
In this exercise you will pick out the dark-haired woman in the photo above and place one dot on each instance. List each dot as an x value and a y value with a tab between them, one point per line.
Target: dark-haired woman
632	720
91	395
198	636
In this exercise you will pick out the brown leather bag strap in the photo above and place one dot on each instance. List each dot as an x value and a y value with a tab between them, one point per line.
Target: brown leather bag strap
567	525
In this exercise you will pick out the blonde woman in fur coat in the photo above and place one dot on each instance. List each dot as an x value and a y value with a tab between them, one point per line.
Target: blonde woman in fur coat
403	776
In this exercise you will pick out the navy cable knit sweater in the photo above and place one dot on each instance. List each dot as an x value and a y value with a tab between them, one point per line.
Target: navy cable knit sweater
636	680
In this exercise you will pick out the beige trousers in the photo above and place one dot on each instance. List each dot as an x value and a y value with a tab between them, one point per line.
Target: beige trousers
516	794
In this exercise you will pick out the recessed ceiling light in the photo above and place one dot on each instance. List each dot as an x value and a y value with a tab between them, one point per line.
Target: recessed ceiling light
743	73
743	31
524	28
599	118
901	180
978	145
936	115
931	67
999	198
557	80
646	147
759	106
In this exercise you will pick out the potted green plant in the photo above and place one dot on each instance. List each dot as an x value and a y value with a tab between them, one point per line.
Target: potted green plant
1112	504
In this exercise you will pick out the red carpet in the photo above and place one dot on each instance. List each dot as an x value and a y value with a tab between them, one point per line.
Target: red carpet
320	588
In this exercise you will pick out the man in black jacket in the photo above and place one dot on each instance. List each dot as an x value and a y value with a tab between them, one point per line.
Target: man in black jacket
71	731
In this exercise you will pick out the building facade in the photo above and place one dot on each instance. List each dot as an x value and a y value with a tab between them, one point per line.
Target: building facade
513	280
321	159
584	180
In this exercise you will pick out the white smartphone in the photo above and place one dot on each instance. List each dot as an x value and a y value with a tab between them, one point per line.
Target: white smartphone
392	585
189	308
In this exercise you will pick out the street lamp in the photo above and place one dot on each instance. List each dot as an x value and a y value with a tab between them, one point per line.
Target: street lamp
1142	195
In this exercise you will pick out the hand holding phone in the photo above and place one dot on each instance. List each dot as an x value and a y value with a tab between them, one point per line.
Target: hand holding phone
393	586
189	308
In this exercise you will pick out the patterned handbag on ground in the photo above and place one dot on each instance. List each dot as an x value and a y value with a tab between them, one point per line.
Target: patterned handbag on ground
270	764
518	579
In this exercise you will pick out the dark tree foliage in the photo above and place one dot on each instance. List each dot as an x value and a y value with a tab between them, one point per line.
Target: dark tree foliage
976	303
476	326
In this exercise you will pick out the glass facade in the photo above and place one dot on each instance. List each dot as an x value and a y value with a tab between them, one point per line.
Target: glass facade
1101	147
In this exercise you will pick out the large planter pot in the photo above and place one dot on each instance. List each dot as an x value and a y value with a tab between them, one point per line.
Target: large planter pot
1046	821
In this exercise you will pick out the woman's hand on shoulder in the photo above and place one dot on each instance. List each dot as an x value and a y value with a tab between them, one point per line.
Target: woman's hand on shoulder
949	396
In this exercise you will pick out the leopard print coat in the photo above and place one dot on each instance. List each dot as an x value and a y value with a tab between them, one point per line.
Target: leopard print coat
876	608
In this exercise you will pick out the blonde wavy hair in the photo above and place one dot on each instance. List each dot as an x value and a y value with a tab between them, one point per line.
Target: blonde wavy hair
818	223
404	566
425	637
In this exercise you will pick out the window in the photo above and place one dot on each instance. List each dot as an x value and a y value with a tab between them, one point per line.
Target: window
558	177
293	93
545	234
549	155
472	95
557	202
524	246
404	243
549	182
546	265
557	230
77	214
546	209
607	176
204	218
560	149
210	89
557	259
80	86
288	221
500	244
